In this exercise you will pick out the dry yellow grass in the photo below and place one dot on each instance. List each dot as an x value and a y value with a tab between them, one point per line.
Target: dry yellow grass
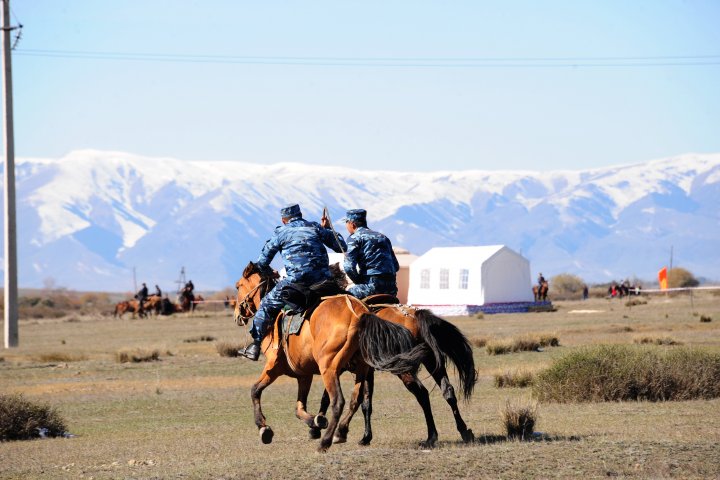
190	414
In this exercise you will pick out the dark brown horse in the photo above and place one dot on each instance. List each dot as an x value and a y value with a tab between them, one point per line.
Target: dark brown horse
540	292
189	301
444	342
340	335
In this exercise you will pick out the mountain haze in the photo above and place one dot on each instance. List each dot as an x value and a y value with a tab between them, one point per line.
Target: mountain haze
87	219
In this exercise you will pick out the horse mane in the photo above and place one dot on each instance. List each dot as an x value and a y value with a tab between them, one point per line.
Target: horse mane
338	276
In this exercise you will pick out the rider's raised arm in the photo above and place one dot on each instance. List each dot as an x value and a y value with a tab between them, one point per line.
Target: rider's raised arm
333	240
269	250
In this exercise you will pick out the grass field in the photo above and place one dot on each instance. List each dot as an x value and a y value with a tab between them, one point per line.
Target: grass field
188	415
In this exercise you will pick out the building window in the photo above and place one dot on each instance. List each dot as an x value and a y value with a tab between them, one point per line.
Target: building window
425	278
463	279
444	278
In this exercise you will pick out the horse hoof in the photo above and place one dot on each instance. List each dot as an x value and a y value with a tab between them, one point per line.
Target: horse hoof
315	433
337	439
364	442
427	444
468	436
266	435
320	421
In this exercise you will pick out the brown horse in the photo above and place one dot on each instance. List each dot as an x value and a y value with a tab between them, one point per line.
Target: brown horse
188	302
132	306
445	342
540	292
153	304
340	335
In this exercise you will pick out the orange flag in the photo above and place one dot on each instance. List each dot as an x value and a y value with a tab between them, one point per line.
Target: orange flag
662	278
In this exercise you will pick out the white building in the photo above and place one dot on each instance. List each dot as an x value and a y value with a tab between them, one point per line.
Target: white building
463	280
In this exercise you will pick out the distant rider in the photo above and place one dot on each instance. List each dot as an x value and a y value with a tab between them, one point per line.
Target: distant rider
302	245
158	292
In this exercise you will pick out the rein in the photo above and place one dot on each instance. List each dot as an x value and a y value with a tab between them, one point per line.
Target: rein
245	304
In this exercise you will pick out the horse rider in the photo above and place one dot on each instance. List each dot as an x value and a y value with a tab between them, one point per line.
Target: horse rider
541	279
158	292
141	296
302	245
189	287
370	261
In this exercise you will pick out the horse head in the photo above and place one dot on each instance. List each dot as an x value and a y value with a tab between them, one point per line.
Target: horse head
251	288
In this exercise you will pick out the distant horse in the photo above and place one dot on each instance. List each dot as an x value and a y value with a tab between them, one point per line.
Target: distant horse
445	342
541	292
188	301
132	306
341	335
230	302
153	304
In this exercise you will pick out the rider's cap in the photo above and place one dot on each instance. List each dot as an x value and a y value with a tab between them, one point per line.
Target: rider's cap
290	211
356	215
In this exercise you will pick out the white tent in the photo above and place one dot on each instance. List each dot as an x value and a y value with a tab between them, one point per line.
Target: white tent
459	280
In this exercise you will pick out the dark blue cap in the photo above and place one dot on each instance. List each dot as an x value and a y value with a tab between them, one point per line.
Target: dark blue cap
356	215
290	211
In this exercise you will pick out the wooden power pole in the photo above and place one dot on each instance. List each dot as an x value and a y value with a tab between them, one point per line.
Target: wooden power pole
11	288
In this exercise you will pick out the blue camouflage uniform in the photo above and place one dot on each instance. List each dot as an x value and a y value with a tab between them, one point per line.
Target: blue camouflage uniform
370	261
302	245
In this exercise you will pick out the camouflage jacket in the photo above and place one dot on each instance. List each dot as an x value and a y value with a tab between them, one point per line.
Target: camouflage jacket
302	246
369	253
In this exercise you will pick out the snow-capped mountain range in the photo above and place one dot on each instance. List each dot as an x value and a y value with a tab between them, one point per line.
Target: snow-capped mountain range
87	219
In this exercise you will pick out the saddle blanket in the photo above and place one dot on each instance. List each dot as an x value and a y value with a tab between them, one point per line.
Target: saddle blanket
291	323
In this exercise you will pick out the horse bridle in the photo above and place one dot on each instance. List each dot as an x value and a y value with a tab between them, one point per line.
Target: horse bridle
245	304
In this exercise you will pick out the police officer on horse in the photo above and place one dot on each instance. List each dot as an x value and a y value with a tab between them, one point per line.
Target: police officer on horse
370	261
302	246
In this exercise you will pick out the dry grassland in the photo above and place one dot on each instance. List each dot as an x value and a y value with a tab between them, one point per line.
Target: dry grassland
189	415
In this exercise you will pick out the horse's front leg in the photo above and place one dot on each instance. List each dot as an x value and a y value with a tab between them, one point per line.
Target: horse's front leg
317	422
266	378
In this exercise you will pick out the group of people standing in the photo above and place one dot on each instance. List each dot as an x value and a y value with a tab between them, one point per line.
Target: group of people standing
369	262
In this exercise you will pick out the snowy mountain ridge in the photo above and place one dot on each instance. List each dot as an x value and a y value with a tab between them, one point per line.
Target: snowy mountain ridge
85	220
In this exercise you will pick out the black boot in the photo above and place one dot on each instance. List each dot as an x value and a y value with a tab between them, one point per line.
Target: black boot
252	351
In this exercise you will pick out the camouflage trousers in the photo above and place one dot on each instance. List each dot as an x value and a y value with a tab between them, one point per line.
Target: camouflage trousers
374	286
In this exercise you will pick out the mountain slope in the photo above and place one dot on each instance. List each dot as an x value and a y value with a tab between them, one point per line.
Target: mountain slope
87	219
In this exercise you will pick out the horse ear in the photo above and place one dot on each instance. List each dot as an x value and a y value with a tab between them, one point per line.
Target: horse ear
249	270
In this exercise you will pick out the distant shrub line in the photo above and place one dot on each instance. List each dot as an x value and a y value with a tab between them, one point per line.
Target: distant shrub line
630	372
525	343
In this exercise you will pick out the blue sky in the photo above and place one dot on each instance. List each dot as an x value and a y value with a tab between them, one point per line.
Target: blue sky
402	85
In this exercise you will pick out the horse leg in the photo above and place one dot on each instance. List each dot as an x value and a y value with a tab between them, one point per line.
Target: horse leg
314	422
414	386
355	401
266	378
331	379
448	392
367	406
322	411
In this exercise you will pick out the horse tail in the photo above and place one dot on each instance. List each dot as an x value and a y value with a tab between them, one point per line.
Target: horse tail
389	347
447	342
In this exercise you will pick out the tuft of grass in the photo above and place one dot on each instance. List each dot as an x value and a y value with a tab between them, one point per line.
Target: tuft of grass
656	341
21	419
514	379
227	349
626	372
61	357
519	419
202	338
479	342
480	315
137	355
525	343
705	319
635	302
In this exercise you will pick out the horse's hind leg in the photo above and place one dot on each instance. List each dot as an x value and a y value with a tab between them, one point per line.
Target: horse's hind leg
314	422
331	378
355	401
448	392
367	406
413	384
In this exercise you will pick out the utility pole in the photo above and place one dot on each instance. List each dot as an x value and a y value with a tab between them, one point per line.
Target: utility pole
671	257
11	293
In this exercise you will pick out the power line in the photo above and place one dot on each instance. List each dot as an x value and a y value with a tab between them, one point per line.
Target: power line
423	62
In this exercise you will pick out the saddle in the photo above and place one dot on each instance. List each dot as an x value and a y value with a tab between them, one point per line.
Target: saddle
380	300
301	301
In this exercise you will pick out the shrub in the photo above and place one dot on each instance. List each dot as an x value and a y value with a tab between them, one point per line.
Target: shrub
705	319
227	349
479	342
519	420
137	355
681	278
21	419
525	343
202	338
626	372
634	302
61	357
566	287
514	379
657	341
